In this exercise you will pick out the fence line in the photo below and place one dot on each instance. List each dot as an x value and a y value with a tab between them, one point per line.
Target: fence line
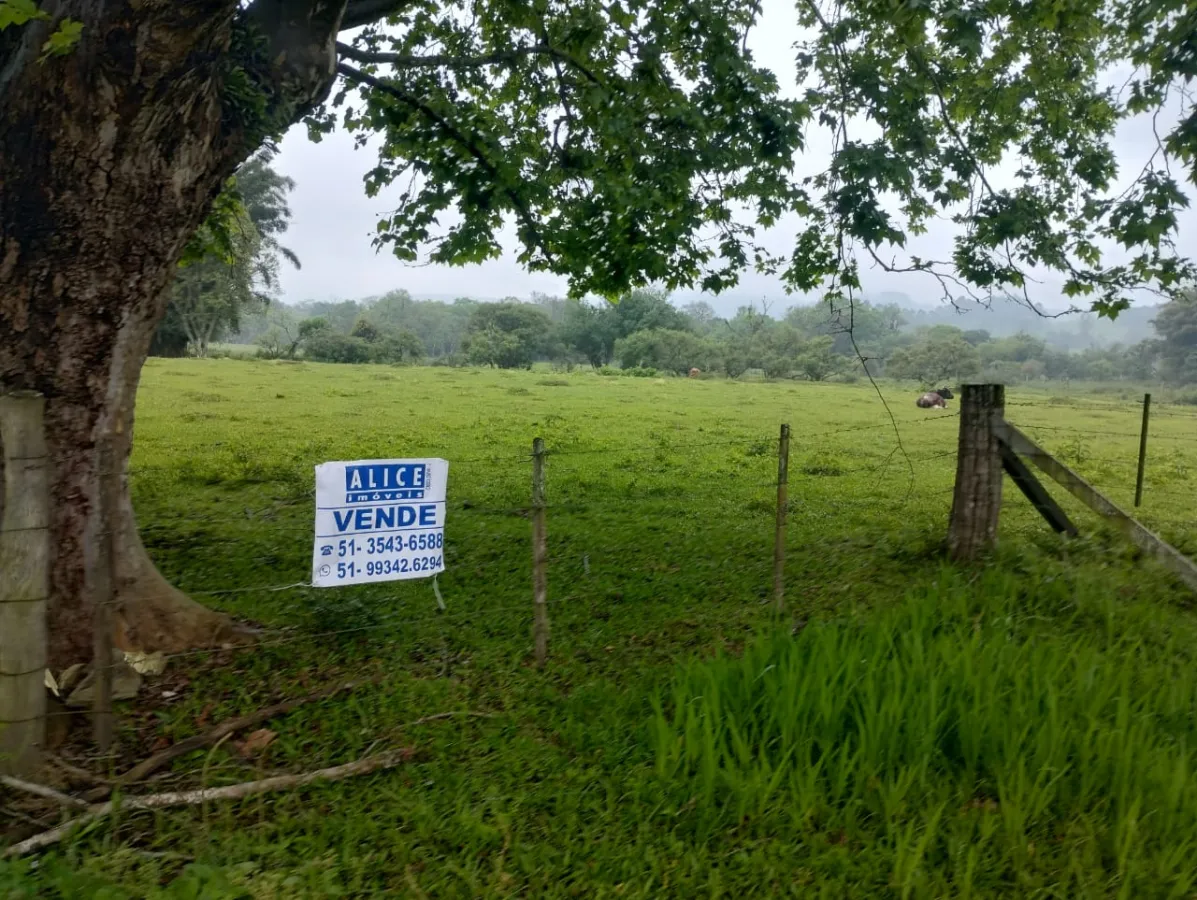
1128	434
293	635
560	545
1121	410
648	446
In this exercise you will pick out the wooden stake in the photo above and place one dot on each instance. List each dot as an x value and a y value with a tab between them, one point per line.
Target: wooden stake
103	595
1142	449
540	556
24	582
977	502
779	533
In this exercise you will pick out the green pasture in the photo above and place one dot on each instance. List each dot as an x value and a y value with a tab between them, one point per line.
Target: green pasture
906	728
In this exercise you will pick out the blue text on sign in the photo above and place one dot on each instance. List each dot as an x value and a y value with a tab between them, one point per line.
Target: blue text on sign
385	481
382	517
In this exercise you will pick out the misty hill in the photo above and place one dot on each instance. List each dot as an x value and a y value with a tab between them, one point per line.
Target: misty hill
1002	318
1071	331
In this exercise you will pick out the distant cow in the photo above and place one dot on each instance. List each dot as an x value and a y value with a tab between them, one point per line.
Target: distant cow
935	399
694	373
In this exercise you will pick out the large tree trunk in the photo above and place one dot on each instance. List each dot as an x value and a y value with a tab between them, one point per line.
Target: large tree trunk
110	158
152	614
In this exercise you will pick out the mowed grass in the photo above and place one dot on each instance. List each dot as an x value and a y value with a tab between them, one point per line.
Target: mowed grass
908	728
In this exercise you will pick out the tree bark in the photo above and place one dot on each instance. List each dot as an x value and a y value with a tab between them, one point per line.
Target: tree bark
110	158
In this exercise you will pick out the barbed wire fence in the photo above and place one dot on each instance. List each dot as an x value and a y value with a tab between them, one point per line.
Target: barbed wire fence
721	514
1135	452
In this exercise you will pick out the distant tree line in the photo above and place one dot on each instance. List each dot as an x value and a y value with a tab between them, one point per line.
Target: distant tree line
645	333
944	352
228	295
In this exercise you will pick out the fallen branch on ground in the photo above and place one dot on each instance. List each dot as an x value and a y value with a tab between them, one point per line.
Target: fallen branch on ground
78	773
24	817
42	791
203	795
182	748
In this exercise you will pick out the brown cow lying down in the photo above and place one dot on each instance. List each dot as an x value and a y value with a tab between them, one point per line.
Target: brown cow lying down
934	399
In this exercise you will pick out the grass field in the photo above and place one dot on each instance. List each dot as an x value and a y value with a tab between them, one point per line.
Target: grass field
909	729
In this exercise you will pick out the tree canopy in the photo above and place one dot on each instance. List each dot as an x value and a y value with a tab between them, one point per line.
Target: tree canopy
937	357
956	91
508	335
640	142
1177	327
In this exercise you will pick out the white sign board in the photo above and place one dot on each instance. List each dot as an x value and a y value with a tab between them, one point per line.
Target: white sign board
379	520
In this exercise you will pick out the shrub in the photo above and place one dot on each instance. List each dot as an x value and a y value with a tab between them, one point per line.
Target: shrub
665	350
329	346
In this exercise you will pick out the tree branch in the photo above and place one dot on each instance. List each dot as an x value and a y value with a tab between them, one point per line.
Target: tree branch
525	215
447	61
367	12
297	66
42	791
148	766
444	61
194	798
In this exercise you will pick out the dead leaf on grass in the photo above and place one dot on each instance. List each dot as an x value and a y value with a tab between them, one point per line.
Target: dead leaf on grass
205	715
256	742
146	663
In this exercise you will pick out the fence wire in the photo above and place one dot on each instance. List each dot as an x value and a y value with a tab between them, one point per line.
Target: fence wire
894	479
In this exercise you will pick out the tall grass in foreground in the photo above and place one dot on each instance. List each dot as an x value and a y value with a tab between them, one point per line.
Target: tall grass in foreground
988	747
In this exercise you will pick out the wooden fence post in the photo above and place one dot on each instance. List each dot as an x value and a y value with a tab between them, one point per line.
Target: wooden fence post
540	556
24	582
977	501
103	588
779	534
1142	449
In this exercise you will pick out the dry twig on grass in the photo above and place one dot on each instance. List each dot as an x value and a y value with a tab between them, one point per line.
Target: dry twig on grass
436	717
42	791
78	773
152	764
231	792
24	817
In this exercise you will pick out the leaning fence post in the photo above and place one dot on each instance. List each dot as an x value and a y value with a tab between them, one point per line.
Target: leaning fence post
103	588
977	500
540	558
1142	449
24	581
779	533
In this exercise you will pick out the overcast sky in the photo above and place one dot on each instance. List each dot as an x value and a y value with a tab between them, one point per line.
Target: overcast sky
334	220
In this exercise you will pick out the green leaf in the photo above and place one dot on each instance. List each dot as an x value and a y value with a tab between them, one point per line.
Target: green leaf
217	238
63	40
18	12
